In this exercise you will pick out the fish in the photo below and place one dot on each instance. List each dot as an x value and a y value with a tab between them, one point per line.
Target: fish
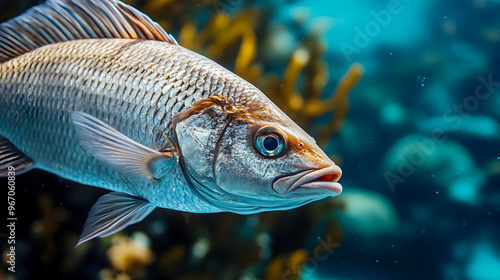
98	93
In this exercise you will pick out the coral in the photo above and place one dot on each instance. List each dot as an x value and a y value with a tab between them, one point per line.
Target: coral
368	214
287	266
129	255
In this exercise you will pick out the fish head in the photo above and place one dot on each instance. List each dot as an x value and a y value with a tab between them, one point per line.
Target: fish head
249	161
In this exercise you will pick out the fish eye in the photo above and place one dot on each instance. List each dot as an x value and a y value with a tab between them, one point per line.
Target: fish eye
270	142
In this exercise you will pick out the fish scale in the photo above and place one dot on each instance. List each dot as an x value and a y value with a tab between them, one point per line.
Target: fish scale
76	81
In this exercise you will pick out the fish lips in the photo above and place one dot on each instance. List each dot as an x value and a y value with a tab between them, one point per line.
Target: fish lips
324	179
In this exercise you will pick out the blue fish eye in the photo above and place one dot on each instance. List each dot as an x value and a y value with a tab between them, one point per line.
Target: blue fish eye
269	142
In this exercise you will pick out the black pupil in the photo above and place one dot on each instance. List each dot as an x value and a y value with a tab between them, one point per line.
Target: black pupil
271	143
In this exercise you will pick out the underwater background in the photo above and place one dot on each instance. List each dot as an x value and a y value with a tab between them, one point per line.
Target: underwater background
404	95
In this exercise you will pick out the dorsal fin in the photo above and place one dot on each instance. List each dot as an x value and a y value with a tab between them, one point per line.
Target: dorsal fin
63	20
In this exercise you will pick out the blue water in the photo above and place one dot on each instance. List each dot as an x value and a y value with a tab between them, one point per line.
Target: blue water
421	143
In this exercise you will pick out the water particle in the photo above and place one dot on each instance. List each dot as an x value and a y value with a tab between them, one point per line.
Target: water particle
392	246
437	192
395	262
201	247
376	260
390	53
421	79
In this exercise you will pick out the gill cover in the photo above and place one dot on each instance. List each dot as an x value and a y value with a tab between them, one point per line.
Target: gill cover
198	132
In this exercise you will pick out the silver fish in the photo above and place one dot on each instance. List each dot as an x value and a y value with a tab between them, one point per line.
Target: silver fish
98	93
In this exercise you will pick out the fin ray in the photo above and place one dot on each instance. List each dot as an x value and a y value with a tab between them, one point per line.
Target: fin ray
11	156
115	149
113	212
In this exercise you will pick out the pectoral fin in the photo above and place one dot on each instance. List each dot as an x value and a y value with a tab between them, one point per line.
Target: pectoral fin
11	159
116	150
113	212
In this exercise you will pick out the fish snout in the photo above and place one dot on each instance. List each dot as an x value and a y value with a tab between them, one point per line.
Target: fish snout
324	178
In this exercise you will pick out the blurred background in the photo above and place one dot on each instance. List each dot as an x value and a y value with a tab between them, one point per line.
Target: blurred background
404	95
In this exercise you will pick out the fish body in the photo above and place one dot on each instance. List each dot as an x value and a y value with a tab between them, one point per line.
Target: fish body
118	104
133	85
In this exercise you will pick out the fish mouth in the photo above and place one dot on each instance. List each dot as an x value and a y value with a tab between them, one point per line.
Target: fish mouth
325	179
